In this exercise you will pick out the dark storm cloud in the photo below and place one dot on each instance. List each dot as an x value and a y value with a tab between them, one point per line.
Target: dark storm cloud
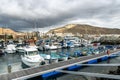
24	14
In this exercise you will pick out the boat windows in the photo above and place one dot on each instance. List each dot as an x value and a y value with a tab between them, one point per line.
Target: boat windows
33	52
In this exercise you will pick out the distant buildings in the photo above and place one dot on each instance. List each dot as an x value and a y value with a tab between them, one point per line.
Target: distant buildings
6	33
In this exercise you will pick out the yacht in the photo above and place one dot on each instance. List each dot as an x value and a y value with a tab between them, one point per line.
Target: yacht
31	57
44	45
10	48
19	47
50	46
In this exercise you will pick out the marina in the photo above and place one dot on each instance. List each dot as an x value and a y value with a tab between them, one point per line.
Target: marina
16	62
47	71
47	59
59	40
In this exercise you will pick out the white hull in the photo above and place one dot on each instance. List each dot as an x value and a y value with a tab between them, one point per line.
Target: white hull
10	51
20	50
64	46
53	48
53	60
31	57
10	48
50	47
72	46
45	56
42	48
31	63
64	58
77	45
58	45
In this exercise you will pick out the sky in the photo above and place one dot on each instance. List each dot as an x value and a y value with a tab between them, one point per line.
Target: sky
42	15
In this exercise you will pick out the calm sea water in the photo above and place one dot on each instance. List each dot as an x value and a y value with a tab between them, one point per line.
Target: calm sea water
15	61
94	69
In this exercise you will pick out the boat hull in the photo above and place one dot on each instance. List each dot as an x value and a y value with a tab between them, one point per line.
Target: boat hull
10	51
31	63
63	58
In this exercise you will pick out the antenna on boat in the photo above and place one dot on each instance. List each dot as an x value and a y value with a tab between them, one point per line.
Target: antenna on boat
36	30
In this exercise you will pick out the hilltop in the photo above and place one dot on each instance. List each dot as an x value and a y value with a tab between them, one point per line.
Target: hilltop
7	31
84	29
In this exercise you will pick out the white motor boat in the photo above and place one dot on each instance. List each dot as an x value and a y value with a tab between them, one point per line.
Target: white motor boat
43	47
10	48
76	43
19	48
54	57
31	57
50	47
63	57
58	45
64	45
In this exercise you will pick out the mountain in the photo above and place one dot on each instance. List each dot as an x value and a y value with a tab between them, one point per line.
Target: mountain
8	31
84	29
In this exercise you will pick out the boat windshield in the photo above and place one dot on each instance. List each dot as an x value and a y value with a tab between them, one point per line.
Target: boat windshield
32	52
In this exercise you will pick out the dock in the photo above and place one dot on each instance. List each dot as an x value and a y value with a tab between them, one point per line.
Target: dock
44	69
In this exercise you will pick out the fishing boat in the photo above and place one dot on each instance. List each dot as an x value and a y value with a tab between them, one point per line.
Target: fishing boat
45	56
54	57
50	46
96	51
76	42
20	47
41	45
63	44
77	53
72	41
31	57
10	48
70	44
46	45
63	57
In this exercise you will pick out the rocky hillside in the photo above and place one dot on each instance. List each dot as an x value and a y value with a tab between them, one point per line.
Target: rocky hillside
84	29
9	31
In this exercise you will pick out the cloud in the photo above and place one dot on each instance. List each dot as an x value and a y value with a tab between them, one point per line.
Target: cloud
28	14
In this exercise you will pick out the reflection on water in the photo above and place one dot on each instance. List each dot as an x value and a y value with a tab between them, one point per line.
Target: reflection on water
10	59
93	69
15	60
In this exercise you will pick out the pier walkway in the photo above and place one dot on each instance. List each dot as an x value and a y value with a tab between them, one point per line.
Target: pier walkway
37	71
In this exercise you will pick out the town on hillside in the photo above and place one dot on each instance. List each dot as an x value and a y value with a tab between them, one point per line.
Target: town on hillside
86	32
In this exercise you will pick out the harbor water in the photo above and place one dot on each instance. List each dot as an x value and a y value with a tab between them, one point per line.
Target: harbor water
14	60
15	63
93	69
